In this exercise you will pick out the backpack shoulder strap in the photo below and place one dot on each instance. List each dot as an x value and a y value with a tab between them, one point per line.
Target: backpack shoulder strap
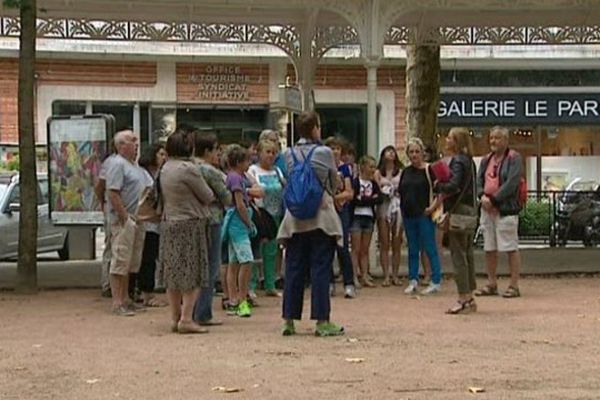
310	154
293	153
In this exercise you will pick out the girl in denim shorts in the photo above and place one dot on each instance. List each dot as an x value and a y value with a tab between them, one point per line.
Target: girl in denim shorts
367	195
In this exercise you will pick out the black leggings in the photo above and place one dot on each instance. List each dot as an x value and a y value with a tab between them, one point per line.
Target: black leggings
144	280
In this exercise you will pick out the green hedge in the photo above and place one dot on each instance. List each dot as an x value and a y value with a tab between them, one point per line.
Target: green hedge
535	219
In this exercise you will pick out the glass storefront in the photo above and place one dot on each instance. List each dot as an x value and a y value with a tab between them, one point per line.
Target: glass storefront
566	156
348	121
232	125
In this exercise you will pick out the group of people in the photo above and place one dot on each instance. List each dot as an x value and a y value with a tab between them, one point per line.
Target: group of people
216	208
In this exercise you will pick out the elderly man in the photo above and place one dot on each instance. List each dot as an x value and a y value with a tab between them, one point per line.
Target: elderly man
125	181
499	178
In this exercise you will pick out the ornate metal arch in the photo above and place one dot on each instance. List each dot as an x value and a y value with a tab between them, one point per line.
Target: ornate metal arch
286	37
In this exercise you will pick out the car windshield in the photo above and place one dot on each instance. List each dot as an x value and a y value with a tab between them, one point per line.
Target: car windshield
584	186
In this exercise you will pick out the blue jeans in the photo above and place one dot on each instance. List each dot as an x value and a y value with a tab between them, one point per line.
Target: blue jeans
308	251
203	306
343	252
420	234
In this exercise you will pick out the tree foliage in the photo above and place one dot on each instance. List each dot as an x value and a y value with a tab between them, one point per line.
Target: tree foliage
11	3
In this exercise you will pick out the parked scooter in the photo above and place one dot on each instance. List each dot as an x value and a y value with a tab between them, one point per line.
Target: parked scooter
577	218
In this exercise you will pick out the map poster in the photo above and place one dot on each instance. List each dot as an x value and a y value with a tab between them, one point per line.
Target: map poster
76	148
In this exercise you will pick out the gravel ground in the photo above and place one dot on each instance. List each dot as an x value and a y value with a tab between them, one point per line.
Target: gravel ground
66	345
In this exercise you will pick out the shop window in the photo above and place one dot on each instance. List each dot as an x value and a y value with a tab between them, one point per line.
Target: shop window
144	123
123	113
63	108
570	157
235	125
349	122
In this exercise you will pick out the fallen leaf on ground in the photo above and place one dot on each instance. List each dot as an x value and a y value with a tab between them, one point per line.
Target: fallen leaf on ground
92	381
256	385
20	368
355	360
224	389
474	389
37	346
353	340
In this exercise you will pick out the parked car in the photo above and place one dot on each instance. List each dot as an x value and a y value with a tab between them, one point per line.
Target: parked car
50	236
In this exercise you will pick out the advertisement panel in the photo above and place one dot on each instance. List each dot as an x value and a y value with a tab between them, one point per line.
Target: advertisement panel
76	147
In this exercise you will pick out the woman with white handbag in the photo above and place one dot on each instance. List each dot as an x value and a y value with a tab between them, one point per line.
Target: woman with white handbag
460	220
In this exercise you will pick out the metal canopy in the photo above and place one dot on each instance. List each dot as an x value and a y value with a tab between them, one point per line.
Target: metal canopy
306	29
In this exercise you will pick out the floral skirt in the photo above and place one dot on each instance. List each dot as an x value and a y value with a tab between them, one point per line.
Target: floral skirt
184	253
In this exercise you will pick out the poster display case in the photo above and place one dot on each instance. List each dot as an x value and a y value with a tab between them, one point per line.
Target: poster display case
77	145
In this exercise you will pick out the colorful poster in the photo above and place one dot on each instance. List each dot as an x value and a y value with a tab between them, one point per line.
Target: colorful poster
76	148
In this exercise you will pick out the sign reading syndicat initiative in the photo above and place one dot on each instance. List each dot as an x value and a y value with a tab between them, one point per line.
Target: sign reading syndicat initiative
470	108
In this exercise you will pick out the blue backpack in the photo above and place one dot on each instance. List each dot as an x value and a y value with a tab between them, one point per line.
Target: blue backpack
304	192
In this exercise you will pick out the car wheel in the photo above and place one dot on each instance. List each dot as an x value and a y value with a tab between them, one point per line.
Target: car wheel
63	253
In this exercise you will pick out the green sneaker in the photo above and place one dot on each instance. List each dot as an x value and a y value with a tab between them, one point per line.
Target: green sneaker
244	309
328	329
288	328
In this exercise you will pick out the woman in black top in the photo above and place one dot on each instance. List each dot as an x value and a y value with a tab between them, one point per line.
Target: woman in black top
416	189
460	188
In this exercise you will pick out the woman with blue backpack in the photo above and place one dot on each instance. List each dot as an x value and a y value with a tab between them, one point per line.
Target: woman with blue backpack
311	228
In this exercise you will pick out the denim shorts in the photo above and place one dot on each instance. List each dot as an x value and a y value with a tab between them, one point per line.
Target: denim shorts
362	223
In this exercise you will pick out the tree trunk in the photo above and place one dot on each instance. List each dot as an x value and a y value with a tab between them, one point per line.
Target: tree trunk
422	90
27	264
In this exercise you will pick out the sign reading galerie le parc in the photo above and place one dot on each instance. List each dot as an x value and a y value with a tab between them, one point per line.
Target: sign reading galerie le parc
223	83
469	108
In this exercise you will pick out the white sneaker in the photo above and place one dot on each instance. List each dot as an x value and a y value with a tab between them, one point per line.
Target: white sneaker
332	290
412	287
431	289
349	292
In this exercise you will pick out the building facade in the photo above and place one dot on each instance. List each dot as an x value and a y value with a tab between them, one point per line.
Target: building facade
548	97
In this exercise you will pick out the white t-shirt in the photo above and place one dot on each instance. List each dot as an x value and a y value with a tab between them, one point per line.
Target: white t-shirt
366	190
272	183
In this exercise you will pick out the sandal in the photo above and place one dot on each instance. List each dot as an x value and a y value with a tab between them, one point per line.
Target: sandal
511	292
386	282
396	281
154	302
462	307
487	290
224	303
368	283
